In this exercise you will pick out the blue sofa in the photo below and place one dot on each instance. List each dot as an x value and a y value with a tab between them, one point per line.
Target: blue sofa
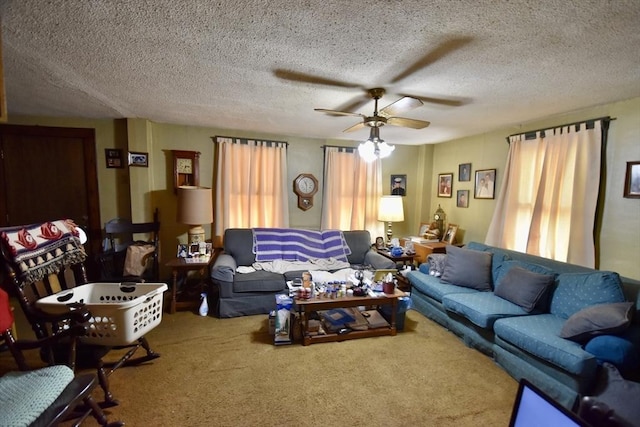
526	342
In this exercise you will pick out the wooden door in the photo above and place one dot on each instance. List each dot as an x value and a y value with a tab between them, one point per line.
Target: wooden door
50	173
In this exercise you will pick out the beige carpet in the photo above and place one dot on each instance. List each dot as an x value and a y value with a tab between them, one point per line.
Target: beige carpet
227	372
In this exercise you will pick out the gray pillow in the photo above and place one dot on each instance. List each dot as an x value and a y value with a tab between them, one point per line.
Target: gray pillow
468	268
597	320
523	287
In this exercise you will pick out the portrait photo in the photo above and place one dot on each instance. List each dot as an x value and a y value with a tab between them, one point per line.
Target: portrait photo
485	184
632	180
464	172
462	199
445	182
398	185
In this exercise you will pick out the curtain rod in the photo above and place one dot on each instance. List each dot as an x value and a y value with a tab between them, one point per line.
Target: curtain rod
605	118
339	146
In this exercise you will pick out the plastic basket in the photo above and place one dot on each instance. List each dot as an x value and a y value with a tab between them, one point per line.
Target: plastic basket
120	312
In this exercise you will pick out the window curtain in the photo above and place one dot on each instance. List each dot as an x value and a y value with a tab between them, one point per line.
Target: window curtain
548	199
352	191
251	189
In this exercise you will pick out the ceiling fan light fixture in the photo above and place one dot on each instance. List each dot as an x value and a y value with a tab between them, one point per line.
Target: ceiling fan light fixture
374	147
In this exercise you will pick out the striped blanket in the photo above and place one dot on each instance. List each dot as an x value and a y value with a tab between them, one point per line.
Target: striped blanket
298	245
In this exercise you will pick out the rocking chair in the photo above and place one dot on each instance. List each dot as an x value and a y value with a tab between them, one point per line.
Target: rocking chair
41	260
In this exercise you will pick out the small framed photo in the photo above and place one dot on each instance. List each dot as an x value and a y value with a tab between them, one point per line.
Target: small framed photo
138	159
445	182
462	199
113	157
464	172
182	251
398	185
380	243
450	235
485	184
424	227
632	181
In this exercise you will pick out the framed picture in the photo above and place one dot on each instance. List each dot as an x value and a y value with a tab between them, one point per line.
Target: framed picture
464	172
462	199
450	235
424	227
380	243
398	185
632	180
138	159
113	157
445	182
485	184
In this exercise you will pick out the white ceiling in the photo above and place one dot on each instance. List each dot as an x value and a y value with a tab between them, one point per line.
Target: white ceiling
242	64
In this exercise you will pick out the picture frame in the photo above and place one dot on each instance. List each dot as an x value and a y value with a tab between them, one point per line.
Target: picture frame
485	184
632	180
450	234
380	243
424	226
464	172
398	185
445	184
462	198
113	158
137	158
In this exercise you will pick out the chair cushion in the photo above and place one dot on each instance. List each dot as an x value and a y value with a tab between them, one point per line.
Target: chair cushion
468	268
597	320
524	288
481	308
575	291
25	395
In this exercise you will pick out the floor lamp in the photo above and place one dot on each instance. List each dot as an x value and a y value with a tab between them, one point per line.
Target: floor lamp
390	210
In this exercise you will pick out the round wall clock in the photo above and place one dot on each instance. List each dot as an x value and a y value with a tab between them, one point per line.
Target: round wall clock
305	186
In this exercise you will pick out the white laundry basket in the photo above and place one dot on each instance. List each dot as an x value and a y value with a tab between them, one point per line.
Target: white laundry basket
120	312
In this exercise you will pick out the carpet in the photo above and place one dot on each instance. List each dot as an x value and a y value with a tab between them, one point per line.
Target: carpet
227	372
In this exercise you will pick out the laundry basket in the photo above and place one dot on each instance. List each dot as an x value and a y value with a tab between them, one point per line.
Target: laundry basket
120	312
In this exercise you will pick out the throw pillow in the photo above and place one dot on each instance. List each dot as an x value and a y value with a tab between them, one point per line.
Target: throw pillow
523	287
617	350
468	268
596	320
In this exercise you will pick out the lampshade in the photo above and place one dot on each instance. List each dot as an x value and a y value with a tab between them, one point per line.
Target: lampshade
374	147
391	209
195	207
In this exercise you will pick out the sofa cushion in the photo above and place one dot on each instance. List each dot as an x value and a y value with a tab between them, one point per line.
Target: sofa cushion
359	242
617	350
597	320
538	335
507	265
575	291
468	268
238	243
524	288
499	256
481	308
433	286
259	281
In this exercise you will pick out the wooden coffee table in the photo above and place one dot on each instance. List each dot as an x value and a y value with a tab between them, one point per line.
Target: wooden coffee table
307	306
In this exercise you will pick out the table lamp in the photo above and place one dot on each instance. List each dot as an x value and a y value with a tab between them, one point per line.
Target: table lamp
195	207
390	210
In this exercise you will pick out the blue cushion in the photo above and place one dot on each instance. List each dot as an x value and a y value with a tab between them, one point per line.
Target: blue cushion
615	350
600	319
432	286
527	289
469	268
538	335
499	256
481	308
507	265
575	291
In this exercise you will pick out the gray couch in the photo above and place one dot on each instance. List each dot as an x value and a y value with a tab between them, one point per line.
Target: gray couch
527	344
254	293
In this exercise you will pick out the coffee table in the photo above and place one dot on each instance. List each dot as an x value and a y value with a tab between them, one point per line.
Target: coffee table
307	306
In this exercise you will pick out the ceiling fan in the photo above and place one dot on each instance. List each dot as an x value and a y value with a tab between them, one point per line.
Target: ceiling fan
385	116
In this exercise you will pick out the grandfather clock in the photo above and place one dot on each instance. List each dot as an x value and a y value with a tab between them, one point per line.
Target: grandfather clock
439	218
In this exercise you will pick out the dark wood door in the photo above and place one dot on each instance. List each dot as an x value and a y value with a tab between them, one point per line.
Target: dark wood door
50	173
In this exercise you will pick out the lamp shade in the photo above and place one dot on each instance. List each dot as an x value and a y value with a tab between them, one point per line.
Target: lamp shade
391	209
195	207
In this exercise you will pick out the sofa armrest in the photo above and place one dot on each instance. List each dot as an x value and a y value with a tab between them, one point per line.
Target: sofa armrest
224	268
378	261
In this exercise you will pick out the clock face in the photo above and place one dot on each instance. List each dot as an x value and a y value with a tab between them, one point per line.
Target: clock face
307	185
185	166
436	216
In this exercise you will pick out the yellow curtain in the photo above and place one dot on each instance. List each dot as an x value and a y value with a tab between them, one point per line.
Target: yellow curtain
548	198
251	189
352	191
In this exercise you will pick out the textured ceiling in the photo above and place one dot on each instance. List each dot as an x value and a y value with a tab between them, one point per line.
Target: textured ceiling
264	65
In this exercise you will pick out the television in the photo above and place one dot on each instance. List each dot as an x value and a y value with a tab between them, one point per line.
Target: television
534	408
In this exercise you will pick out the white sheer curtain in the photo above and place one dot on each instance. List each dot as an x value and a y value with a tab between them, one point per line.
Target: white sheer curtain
548	198
352	191
251	185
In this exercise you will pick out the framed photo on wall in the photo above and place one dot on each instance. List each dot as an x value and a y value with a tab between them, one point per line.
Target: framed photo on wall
113	157
138	159
445	183
632	180
462	199
464	172
398	185
485	184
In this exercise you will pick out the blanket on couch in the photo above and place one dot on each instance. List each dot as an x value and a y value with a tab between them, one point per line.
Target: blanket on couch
292	244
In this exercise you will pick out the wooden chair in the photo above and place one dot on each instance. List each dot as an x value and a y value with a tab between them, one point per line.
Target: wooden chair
120	235
41	260
47	396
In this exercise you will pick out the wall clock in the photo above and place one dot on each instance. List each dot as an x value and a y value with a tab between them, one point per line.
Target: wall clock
305	186
185	168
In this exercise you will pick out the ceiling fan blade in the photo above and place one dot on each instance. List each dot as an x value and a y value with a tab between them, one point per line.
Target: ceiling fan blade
440	101
443	49
354	127
355	104
407	123
308	78
337	113
402	105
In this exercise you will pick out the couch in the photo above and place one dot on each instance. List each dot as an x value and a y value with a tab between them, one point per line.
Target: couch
550	322
241	294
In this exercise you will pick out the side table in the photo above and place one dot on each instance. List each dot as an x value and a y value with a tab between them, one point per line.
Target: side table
403	283
180	267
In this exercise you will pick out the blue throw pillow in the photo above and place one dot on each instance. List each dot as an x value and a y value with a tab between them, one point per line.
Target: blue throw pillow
615	350
524	288
468	268
509	264
596	320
